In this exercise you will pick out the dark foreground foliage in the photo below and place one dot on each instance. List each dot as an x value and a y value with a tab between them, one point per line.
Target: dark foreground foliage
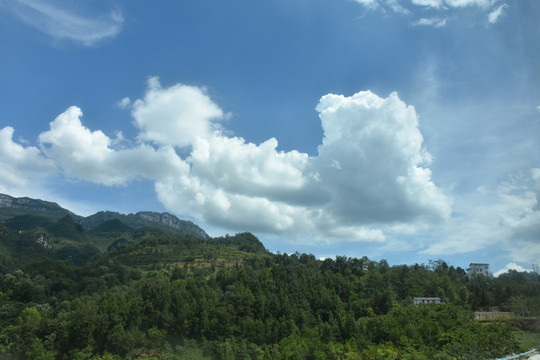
162	296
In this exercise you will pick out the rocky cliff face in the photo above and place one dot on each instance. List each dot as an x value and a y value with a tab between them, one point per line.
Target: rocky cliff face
43	240
162	218
172	221
11	206
7	201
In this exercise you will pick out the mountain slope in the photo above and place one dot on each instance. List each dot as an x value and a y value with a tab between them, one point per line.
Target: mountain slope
11	207
163	221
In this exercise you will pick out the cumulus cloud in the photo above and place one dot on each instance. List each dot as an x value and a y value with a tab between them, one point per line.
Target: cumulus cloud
496	14
384	175
371	169
255	170
176	115
369	180
18	163
63	24
88	155
510	266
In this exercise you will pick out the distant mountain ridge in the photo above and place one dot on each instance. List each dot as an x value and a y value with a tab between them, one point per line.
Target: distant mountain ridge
164	221
12	206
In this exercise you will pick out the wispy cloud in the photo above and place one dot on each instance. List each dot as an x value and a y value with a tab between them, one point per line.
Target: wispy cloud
496	14
124	103
465	3
63	24
435	22
368	3
422	11
429	3
397	7
508	218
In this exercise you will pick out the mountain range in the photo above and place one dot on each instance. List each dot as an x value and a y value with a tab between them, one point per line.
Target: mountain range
11	207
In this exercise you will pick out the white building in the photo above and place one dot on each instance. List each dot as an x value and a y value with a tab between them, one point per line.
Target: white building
478	269
427	300
536	268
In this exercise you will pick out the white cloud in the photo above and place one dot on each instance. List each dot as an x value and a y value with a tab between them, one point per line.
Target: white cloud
436	4
370	172
368	3
237	166
379	147
429	3
396	7
88	155
423	10
19	165
496	14
465	3
510	266
176	115
369	181
61	23
435	22
379	179
124	103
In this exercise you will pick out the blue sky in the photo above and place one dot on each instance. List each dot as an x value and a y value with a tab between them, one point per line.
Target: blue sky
404	130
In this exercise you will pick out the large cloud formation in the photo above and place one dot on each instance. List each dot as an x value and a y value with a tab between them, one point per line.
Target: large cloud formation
371	169
89	155
372	161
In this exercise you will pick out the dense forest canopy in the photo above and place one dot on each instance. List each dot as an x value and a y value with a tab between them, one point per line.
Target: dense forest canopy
119	292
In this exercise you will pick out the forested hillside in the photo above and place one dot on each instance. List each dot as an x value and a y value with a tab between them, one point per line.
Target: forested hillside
119	292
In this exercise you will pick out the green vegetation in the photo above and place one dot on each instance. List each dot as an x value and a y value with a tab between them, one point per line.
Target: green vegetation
11	207
117	292
172	224
25	213
528	340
